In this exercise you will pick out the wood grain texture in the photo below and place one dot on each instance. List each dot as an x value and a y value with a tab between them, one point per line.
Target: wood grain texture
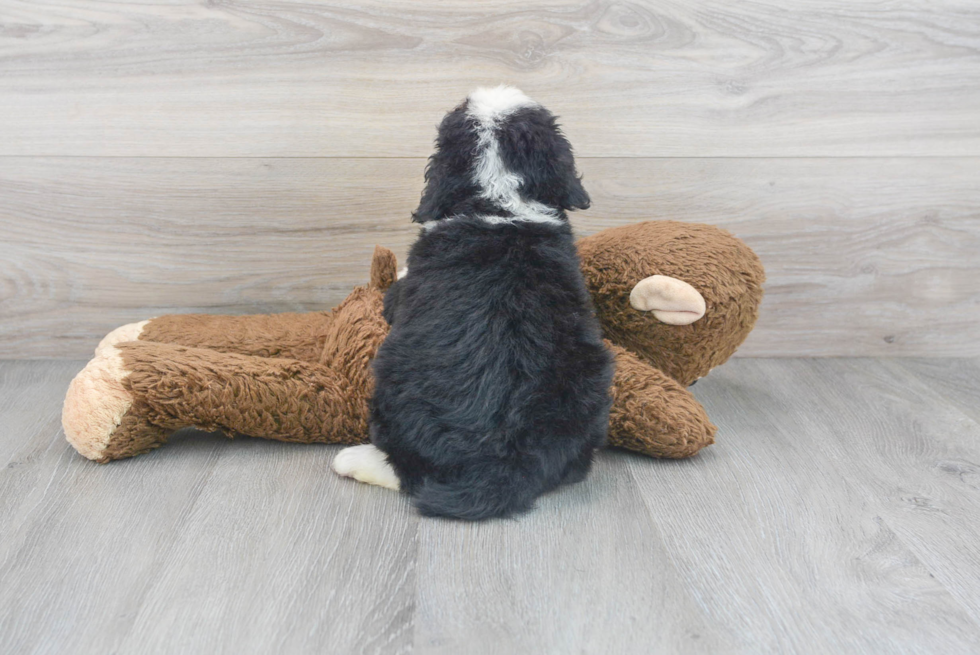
785	549
957	381
864	256
279	555
586	572
836	513
202	547
912	455
117	240
649	78
27	388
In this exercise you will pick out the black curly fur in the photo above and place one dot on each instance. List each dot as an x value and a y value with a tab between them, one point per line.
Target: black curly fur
493	384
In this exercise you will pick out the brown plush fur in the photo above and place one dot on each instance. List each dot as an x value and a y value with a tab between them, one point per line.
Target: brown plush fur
290	377
652	414
263	335
307	378
722	268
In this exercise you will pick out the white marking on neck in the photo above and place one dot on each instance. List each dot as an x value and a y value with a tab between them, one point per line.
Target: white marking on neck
428	225
488	107
486	218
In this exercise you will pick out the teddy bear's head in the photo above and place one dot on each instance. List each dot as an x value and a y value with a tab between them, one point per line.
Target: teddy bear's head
683	296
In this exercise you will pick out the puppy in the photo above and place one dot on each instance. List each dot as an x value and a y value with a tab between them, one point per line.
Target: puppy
493	385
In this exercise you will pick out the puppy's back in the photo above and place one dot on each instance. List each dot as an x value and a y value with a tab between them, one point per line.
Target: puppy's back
494	373
492	386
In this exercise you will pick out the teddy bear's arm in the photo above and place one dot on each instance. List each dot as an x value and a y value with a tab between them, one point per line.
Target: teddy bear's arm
652	413
132	396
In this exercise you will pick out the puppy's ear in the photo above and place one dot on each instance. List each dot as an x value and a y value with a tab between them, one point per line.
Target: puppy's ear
447	175
532	145
576	196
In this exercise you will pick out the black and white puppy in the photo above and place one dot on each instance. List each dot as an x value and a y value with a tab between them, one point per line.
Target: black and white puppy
493	384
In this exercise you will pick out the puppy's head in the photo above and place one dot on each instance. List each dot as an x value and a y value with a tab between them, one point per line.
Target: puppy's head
501	153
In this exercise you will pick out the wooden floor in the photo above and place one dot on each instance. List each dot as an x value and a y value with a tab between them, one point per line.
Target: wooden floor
838	512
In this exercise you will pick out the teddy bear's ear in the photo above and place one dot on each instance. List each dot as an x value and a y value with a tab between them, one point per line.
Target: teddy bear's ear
384	268
671	301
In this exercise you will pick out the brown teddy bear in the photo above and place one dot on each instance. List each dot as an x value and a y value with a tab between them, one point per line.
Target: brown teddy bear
674	300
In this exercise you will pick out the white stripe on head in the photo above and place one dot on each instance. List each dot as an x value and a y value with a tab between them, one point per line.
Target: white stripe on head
492	104
488	107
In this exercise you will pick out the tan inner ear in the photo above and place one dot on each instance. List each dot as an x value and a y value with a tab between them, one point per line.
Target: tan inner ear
671	301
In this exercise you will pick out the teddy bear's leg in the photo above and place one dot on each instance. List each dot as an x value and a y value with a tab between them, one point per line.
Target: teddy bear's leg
134	394
97	416
652	413
290	336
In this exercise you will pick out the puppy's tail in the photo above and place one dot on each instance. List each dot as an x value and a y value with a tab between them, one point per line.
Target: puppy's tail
487	491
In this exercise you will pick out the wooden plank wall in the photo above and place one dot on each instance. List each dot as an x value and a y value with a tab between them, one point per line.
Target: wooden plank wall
241	157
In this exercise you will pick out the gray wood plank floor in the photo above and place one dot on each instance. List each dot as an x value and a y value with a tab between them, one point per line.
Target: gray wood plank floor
838	512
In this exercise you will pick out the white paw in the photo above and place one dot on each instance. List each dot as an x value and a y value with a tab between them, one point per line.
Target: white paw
96	403
128	332
366	464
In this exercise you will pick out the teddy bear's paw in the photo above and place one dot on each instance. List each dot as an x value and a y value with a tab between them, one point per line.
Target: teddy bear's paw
128	332
96	403
365	463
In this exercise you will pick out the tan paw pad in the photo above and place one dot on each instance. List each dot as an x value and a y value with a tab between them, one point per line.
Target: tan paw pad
95	404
